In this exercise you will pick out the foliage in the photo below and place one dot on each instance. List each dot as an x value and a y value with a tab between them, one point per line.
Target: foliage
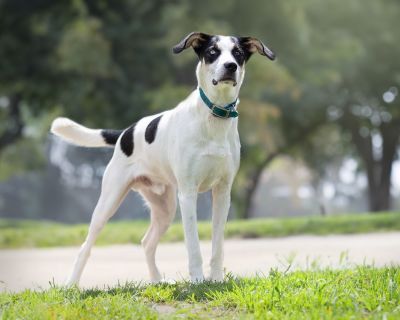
355	43
86	60
26	233
364	292
109	63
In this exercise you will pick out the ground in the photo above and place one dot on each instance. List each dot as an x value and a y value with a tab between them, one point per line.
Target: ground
348	275
36	268
358	293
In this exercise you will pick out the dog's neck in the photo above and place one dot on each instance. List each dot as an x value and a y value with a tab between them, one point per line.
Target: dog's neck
215	130
220	94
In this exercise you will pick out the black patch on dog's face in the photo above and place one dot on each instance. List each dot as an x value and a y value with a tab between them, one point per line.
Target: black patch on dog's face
208	50
151	130
239	55
111	136
242	48
127	140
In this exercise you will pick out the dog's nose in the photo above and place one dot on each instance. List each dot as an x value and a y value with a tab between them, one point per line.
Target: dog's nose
231	66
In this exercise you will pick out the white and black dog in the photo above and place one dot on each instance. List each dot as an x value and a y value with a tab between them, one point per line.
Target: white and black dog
192	148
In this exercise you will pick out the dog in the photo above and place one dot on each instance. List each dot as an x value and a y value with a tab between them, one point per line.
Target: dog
178	153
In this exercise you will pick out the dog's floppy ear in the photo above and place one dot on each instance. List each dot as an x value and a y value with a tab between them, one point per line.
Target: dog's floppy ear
194	39
252	45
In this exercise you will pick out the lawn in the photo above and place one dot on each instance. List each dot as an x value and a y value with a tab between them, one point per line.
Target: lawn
25	233
361	293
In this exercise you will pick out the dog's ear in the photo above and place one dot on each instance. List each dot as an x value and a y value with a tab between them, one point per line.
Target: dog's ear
194	39
251	45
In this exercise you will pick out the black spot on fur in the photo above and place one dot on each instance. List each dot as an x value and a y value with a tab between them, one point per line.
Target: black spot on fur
208	50
127	140
241	51
151	129
111	136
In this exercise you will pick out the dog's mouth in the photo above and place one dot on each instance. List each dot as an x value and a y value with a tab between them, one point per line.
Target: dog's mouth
225	80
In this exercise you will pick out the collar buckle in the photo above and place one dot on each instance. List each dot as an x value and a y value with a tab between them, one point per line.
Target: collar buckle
219	112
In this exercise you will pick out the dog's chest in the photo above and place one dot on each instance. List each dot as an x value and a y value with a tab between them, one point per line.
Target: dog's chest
204	150
216	150
216	160
213	169
216	137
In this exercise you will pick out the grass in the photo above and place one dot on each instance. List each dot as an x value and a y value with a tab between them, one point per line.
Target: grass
25	233
361	293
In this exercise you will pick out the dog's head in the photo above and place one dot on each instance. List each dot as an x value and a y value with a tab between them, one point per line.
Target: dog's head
222	58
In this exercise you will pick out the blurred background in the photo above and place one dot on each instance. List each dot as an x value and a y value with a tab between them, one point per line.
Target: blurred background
319	128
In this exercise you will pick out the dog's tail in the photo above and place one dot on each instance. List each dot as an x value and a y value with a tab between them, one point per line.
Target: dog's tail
79	135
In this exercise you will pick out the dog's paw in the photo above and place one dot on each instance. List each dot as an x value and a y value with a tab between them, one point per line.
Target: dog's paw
216	277
167	281
156	278
197	279
70	283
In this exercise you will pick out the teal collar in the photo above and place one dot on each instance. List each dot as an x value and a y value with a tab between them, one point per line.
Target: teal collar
221	112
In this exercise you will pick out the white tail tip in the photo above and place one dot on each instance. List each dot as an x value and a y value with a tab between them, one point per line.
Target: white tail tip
60	124
77	134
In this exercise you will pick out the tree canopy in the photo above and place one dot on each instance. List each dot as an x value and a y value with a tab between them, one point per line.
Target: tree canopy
331	95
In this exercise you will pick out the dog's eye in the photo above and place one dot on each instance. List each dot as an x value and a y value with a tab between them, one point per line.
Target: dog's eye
237	52
212	52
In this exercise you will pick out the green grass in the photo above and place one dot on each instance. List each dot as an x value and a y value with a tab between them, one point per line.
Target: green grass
25	233
361	293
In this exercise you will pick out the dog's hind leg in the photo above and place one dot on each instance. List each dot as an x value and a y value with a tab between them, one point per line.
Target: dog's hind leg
163	209
115	185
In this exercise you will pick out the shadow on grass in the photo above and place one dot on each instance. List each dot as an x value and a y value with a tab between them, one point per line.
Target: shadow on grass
162	292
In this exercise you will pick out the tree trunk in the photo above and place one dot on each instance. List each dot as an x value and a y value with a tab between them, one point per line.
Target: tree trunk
379	199
378	171
379	189
14	124
255	176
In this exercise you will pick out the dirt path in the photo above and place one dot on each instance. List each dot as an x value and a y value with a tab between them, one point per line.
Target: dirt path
35	268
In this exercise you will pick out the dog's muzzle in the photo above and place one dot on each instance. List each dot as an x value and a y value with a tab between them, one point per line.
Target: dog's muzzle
225	79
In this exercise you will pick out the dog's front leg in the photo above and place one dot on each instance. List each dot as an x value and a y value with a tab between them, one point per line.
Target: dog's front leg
187	202
221	202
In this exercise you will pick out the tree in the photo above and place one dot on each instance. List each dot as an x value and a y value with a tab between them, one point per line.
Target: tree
363	98
336	75
341	84
85	59
27	73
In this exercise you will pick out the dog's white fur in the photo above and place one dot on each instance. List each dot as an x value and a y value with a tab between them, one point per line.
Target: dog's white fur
193	152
